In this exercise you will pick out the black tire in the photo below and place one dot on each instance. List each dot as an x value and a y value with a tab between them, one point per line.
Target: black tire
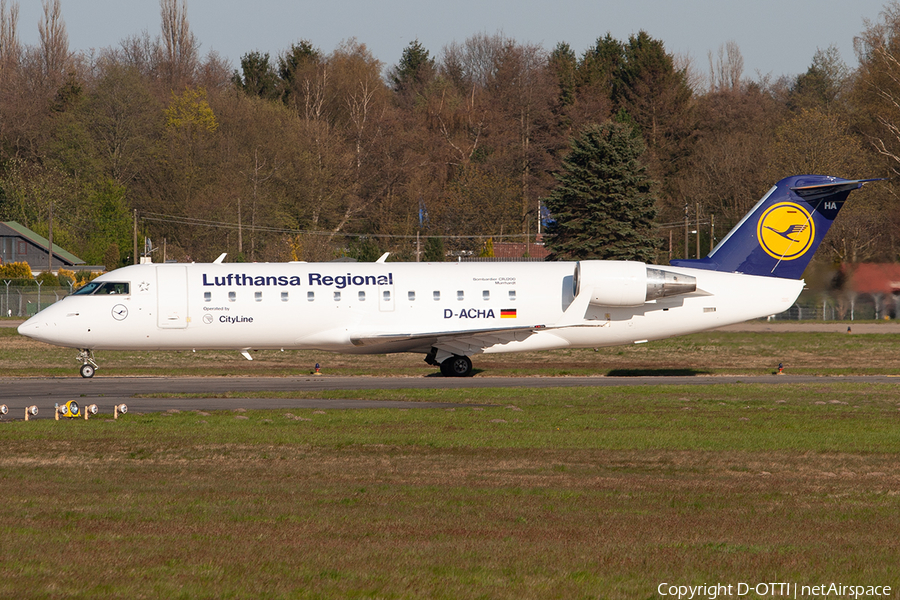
457	366
87	370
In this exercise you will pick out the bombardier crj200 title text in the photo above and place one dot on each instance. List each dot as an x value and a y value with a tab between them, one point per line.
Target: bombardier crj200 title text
452	311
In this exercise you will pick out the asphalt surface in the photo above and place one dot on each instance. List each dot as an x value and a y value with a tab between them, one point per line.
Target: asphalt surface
45	392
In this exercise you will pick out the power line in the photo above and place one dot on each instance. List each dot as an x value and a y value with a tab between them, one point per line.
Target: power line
193	221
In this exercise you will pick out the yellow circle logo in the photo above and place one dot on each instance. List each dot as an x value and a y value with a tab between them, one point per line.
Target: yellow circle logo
786	231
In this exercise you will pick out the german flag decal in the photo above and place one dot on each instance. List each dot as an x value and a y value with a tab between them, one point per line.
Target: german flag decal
507	313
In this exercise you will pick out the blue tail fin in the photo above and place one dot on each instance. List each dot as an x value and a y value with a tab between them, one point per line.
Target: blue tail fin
779	236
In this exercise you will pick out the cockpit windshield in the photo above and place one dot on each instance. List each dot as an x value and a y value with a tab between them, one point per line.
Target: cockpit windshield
103	288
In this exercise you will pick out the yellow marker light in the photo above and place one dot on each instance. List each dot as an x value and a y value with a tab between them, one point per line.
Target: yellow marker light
70	409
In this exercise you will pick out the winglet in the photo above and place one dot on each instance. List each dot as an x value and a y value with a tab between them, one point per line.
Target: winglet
779	236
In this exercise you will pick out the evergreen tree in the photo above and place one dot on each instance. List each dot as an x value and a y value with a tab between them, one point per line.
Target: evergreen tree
434	249
257	76
416	68
603	206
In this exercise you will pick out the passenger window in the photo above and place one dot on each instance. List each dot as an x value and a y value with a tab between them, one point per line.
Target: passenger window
412	296
486	294
310	296
437	296
257	296
207	296
512	294
284	296
387	295
362	296
337	296
232	296
460	295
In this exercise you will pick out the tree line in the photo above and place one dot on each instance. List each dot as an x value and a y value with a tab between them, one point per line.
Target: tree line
310	155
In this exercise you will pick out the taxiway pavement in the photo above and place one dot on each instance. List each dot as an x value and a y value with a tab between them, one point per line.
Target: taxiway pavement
45	392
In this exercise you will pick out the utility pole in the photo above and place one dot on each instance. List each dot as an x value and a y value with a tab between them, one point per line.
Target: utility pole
136	261
687	252
50	249
697	216
712	231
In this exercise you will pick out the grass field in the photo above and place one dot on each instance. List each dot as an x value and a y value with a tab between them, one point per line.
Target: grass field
559	493
585	493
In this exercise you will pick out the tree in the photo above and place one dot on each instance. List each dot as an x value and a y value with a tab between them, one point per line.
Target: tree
823	83
257	76
54	44
603	206
725	74
180	48
434	249
416	68
657	96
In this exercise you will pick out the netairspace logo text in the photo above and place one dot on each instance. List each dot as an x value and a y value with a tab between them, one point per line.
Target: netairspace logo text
781	589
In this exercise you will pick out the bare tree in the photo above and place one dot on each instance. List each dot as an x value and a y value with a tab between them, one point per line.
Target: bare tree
725	73
54	43
879	73
180	47
10	47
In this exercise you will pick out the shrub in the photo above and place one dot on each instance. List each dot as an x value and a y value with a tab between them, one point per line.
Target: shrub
16	270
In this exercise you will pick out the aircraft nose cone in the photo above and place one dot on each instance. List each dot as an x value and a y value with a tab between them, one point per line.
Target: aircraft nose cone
36	328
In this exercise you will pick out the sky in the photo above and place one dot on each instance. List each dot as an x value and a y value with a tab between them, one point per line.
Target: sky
776	37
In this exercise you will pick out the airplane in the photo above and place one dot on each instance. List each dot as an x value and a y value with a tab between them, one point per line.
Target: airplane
450	312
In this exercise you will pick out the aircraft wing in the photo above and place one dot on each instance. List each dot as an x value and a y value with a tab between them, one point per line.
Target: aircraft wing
463	342
474	341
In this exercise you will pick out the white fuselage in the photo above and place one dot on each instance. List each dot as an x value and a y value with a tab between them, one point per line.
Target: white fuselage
349	307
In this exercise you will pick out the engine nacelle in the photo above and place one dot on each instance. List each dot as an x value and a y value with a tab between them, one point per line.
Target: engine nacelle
628	283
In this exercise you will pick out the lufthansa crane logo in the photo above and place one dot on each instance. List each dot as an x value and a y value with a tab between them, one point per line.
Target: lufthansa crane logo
119	312
786	231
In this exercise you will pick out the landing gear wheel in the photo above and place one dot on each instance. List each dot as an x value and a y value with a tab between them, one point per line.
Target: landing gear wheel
457	366
88	365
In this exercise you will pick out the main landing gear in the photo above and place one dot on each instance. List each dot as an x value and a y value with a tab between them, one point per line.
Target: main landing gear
88	366
454	365
457	366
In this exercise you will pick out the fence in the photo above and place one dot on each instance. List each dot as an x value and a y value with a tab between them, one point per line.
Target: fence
25	301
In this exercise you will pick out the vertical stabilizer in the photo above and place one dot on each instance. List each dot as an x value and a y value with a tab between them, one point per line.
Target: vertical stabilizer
780	235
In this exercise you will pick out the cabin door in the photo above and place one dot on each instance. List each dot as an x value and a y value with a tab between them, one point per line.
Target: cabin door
171	295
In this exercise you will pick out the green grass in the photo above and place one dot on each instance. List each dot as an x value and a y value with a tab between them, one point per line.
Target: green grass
560	493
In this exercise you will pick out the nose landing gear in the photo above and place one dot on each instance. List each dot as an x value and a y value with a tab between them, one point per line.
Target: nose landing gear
88	365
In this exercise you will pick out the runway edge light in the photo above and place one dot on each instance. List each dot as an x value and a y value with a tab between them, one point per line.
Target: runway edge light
31	411
3	410
119	409
90	410
70	409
